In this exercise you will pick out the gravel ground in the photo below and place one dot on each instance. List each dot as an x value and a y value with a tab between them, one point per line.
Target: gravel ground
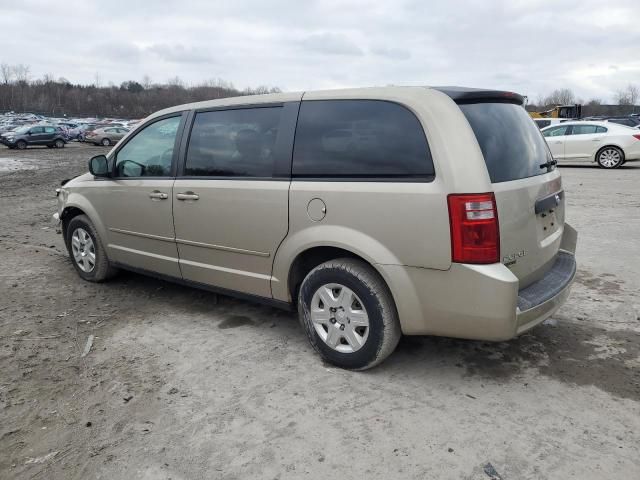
180	384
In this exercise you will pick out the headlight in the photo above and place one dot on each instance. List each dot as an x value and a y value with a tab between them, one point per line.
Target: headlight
10	138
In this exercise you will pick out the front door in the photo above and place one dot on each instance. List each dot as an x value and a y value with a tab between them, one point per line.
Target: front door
231	203
36	136
136	205
555	139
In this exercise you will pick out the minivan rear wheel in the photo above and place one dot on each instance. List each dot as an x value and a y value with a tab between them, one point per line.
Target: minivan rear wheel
348	314
610	157
86	250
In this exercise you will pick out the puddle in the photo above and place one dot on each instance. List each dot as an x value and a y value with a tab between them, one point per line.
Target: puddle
14	165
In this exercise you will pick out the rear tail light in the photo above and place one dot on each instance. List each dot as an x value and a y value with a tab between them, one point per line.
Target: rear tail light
637	136
475	235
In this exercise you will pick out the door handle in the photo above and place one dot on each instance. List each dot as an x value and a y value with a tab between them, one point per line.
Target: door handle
158	195
595	140
187	196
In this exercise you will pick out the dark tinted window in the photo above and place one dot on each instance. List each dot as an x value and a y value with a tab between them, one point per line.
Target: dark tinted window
361	139
512	145
543	123
150	152
584	129
233	143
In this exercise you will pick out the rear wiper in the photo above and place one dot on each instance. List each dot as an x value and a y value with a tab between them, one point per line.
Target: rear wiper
549	164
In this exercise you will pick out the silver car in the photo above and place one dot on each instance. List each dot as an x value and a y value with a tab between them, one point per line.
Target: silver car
374	212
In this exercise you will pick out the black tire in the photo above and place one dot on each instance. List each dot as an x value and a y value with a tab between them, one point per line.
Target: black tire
384	327
59	143
49	146
105	142
21	144
102	269
603	163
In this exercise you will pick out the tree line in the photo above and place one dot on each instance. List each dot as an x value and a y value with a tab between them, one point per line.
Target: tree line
626	102
133	99
130	99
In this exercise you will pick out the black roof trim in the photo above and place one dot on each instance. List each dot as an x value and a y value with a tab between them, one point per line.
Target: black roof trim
480	95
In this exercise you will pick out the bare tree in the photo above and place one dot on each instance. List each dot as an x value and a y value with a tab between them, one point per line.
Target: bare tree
21	73
146	82
628	95
562	96
6	71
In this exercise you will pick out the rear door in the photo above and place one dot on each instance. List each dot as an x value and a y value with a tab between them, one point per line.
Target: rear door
49	134
556	137
583	141
230	204
527	188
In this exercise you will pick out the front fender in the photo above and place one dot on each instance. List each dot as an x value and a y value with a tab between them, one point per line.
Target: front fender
79	201
337	236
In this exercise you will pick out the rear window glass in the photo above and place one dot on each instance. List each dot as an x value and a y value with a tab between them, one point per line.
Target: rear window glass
511	143
360	139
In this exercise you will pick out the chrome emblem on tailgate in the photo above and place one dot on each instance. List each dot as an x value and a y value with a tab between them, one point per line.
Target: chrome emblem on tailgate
511	259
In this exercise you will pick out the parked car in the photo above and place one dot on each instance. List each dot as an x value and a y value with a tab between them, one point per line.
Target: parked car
629	121
72	130
105	136
23	137
395	234
607	143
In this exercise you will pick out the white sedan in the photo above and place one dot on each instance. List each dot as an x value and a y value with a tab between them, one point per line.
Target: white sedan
608	144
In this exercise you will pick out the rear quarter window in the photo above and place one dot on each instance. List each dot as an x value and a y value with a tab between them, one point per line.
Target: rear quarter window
511	143
360	139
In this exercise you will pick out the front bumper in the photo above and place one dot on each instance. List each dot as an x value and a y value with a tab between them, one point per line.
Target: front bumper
480	302
57	222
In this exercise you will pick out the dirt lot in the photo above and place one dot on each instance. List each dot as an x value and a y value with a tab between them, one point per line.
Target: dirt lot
180	386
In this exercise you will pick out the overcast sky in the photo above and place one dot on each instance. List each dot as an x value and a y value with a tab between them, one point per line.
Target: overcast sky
529	46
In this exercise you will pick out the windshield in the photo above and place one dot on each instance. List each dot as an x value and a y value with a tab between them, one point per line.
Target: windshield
511	143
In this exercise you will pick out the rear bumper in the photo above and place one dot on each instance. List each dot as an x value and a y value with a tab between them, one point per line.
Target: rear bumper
481	302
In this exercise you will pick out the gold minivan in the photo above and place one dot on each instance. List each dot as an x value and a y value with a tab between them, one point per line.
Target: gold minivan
375	212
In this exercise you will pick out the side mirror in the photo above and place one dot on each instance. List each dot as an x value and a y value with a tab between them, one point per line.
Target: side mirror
99	166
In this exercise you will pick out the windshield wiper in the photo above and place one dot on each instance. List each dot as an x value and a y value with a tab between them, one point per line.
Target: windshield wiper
549	164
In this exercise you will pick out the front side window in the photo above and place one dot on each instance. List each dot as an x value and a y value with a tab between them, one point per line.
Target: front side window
150	152
233	143
584	129
556	132
360	139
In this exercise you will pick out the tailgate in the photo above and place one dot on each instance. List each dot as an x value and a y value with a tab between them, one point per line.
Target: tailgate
531	219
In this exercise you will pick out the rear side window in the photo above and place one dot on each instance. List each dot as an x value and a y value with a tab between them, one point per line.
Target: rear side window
584	129
49	130
511	144
233	143
360	139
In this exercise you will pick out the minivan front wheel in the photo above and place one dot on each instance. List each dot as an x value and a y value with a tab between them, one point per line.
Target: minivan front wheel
86	251
348	314
610	157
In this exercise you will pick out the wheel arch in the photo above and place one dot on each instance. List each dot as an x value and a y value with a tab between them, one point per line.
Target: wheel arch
306	255
79	205
608	145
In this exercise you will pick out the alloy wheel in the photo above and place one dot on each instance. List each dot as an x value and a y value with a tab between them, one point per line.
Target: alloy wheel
610	158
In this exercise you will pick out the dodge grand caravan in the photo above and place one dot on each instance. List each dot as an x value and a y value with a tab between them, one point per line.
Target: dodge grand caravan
376	212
